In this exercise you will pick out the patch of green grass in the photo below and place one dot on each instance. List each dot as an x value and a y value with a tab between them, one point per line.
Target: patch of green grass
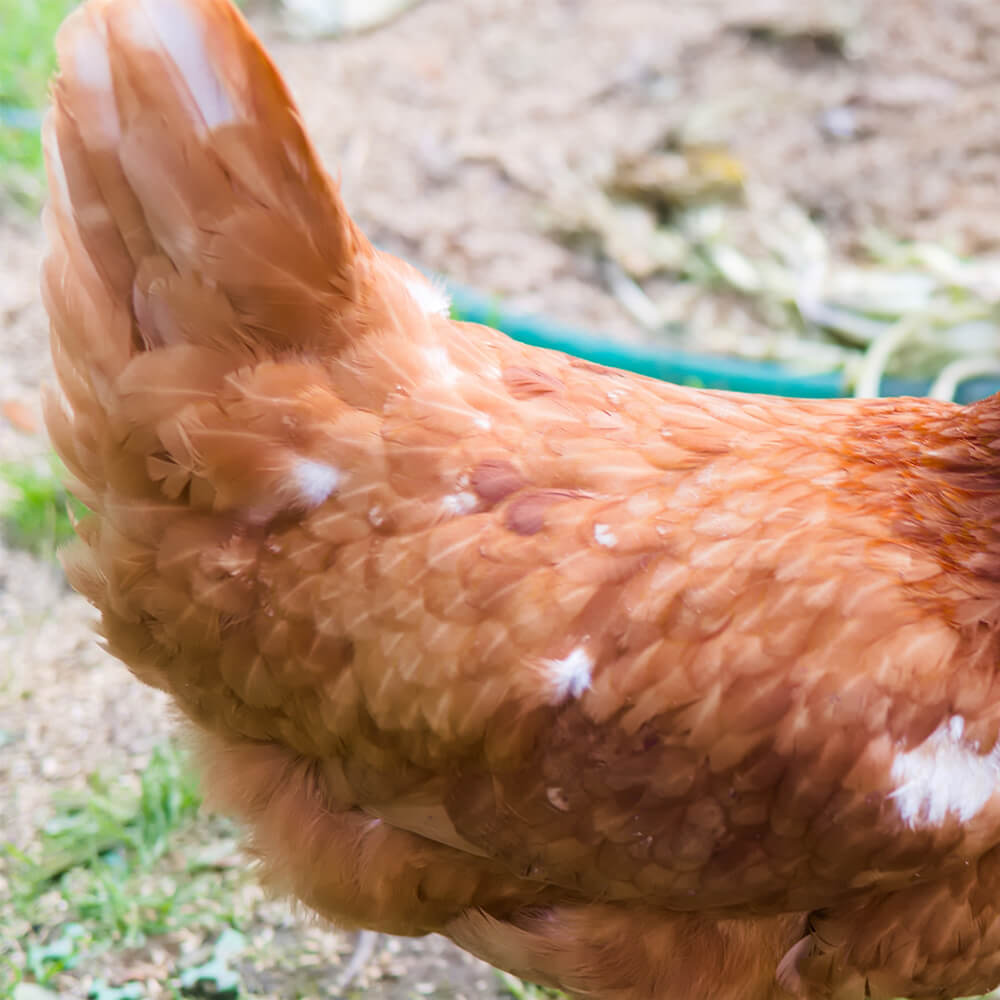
27	60
101	877
38	517
521	990
110	828
130	882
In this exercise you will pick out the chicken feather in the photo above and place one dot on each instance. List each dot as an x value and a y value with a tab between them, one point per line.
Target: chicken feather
637	690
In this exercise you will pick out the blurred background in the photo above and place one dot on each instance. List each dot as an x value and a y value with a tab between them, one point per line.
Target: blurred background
801	196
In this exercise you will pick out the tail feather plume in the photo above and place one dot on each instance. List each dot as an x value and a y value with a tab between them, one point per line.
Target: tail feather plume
194	236
184	185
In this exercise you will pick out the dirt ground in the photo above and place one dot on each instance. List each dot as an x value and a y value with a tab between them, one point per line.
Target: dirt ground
454	129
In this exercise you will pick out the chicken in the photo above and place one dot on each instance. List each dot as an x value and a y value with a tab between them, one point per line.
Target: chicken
632	689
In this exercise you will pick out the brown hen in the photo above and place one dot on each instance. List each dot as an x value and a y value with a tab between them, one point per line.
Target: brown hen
636	690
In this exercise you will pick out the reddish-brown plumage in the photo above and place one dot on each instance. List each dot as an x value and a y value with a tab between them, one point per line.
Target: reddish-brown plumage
633	689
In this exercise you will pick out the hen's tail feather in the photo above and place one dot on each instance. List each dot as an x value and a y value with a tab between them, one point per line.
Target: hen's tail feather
193	235
184	186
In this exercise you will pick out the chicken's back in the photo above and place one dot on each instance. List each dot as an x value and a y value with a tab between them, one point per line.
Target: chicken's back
611	681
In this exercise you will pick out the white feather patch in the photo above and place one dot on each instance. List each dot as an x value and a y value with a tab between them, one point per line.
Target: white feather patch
56	168
315	481
603	535
184	39
431	298
944	776
93	69
441	365
570	676
460	503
